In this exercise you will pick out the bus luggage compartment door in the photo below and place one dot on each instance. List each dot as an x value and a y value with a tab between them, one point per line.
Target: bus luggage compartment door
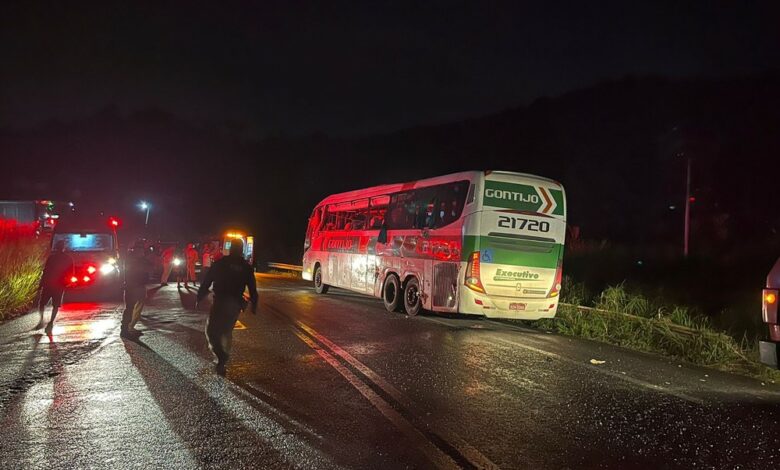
445	286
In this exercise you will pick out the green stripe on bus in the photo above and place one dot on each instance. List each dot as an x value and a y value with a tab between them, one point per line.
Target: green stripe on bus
514	252
557	194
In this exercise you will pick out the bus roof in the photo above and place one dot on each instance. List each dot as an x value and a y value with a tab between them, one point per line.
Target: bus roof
397	187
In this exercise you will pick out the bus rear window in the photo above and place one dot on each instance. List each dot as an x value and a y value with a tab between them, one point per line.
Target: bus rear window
85	241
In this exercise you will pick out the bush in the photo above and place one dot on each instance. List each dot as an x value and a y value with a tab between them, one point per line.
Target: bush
22	256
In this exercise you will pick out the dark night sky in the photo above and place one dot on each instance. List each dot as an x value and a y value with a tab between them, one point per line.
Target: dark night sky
358	68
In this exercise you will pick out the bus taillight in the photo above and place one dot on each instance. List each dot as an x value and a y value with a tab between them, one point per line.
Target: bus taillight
473	280
556	288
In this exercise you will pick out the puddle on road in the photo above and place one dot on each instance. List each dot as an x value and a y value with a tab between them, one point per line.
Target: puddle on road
69	331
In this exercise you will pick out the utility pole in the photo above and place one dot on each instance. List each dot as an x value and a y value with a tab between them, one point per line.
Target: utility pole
687	229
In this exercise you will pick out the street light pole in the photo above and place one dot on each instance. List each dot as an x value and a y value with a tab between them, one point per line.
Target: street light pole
146	207
687	229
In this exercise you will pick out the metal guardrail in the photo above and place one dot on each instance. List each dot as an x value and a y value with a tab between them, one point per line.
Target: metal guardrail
285	267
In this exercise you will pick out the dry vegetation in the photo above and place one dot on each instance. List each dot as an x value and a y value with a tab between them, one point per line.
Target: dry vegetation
629	320
22	256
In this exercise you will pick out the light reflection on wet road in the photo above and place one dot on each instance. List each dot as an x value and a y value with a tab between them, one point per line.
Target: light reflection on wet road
334	381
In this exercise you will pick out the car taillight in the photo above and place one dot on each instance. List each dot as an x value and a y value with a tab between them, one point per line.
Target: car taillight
73	279
86	279
91	269
473	280
556	287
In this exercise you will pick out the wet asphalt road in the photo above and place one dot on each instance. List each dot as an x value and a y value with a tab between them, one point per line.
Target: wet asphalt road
336	382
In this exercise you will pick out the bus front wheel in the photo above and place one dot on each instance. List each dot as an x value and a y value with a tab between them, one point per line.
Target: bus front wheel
319	286
412	300
391	293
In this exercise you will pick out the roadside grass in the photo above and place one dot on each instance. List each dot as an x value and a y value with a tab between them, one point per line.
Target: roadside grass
632	321
22	256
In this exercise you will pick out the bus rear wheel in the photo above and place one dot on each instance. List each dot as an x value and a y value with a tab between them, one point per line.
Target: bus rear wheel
391	293
319	286
412	300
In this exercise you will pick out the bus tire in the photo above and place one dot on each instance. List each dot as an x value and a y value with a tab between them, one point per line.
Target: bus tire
319	286
392	293
412	300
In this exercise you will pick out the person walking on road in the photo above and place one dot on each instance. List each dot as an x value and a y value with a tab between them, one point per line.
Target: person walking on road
136	274
231	275
190	257
58	269
207	260
167	261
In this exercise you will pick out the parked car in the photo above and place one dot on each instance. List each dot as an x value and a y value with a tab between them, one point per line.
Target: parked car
95	253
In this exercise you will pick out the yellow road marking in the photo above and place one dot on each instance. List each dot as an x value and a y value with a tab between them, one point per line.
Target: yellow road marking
437	457
474	456
239	326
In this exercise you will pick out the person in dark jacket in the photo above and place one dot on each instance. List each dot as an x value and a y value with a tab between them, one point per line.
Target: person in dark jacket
231	276
136	270
58	269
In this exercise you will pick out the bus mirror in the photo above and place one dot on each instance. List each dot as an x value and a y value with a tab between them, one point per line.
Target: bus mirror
382	237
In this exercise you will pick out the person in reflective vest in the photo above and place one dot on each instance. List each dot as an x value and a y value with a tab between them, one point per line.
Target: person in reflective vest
191	256
167	262
231	276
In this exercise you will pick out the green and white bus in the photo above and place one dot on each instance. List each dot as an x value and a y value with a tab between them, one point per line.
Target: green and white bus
478	242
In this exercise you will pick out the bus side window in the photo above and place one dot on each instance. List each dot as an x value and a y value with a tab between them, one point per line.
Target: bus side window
330	219
472	193
377	212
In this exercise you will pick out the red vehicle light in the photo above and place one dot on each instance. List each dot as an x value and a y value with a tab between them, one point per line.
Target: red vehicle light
556	287
473	280
74	279
91	269
86	279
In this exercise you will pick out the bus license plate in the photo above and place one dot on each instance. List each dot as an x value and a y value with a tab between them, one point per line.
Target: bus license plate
516	306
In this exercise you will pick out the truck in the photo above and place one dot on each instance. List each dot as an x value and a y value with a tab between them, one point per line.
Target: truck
40	213
768	349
